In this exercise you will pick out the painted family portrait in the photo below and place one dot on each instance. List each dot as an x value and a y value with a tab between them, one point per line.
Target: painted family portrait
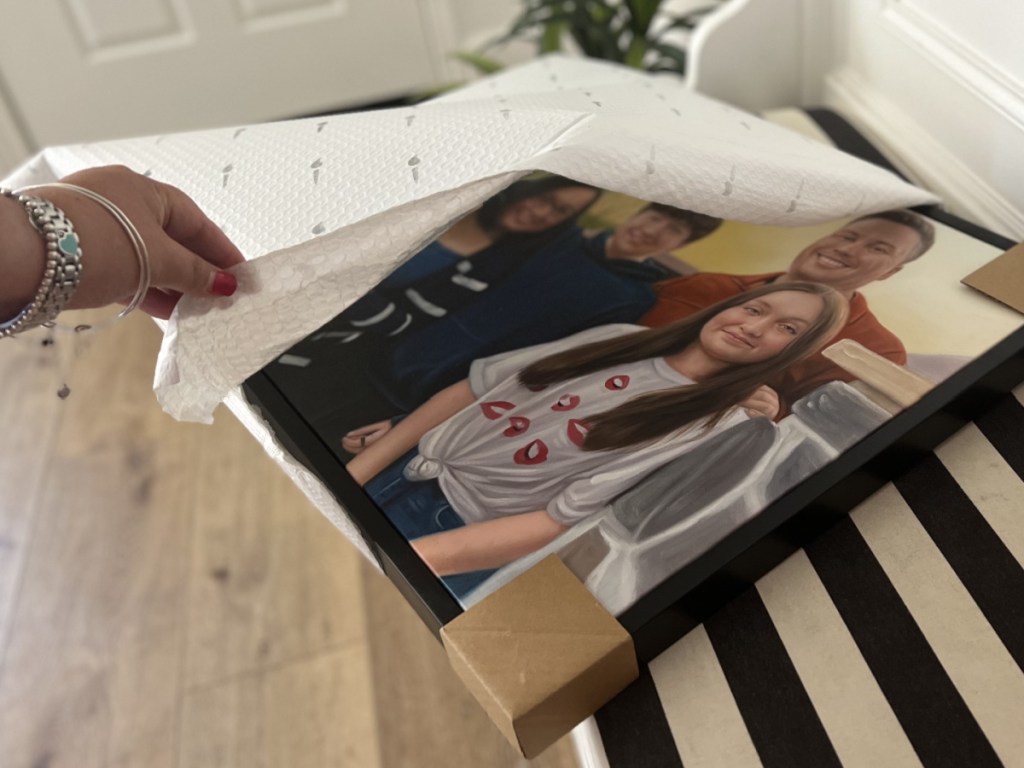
569	370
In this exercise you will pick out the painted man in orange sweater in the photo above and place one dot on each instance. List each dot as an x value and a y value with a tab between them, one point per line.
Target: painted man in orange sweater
871	248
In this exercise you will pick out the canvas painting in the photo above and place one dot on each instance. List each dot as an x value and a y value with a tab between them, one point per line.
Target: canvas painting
570	370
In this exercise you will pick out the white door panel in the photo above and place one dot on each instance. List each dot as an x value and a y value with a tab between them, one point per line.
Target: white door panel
82	70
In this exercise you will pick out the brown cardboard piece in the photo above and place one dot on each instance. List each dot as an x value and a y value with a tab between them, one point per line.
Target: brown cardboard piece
541	654
1002	278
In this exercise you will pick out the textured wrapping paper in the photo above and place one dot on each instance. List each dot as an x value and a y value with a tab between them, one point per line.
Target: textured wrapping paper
325	207
335	203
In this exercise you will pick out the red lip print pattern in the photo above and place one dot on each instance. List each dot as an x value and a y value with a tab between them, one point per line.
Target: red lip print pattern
616	383
535	452
577	430
566	403
516	426
495	409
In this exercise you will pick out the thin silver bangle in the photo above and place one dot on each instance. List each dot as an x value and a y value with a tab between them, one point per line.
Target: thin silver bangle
138	245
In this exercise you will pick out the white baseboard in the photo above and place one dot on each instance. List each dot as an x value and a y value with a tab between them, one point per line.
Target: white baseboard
963	64
920	156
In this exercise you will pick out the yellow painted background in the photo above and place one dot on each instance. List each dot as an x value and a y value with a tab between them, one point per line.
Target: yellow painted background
925	304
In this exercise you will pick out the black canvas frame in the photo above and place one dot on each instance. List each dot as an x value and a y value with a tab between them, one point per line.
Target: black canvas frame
689	596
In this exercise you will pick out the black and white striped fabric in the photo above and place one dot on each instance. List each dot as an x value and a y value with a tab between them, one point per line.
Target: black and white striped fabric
896	639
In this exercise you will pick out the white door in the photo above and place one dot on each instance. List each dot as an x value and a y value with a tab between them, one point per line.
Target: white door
84	70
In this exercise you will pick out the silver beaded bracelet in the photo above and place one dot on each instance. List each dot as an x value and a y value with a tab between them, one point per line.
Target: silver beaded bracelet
63	268
55	291
138	244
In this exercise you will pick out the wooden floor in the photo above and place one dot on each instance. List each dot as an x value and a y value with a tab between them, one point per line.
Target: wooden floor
169	599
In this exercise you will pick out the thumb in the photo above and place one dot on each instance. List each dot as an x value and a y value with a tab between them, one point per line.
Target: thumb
176	268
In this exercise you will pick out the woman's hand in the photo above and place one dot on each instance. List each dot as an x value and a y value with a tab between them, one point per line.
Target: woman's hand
187	251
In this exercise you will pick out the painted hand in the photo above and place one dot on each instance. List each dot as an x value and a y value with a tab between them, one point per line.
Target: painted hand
764	402
359	439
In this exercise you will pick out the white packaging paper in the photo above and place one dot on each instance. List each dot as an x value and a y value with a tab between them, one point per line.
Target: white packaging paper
325	207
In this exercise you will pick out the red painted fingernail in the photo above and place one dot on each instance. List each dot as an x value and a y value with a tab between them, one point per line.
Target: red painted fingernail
224	284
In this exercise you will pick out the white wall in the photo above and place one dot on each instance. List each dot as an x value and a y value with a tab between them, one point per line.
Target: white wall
14	146
175	65
941	84
937	84
470	25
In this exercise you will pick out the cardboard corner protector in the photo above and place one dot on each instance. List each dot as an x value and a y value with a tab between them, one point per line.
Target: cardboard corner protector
1002	278
540	655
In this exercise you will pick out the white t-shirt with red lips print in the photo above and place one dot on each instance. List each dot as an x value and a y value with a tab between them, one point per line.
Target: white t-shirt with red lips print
518	450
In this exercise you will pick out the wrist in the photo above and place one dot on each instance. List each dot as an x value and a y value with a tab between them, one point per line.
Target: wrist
22	257
109	236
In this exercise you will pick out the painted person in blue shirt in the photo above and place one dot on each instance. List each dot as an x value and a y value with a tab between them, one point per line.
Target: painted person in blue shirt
468	258
331	375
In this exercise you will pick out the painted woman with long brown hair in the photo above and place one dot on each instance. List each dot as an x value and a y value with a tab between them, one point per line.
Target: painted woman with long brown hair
536	440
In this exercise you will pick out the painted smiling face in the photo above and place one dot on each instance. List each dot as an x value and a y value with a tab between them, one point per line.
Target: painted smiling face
759	328
545	210
645	234
859	253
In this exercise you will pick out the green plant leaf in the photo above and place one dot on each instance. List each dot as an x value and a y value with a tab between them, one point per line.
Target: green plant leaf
642	13
688	20
551	38
534	15
600	12
481	63
635	55
435	90
616	30
605	27
585	33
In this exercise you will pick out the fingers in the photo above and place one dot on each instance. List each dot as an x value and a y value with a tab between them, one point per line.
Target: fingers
188	253
177	268
186	223
159	303
764	402
189	256
359	439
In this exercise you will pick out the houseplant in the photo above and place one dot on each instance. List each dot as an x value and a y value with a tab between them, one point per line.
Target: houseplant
638	33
